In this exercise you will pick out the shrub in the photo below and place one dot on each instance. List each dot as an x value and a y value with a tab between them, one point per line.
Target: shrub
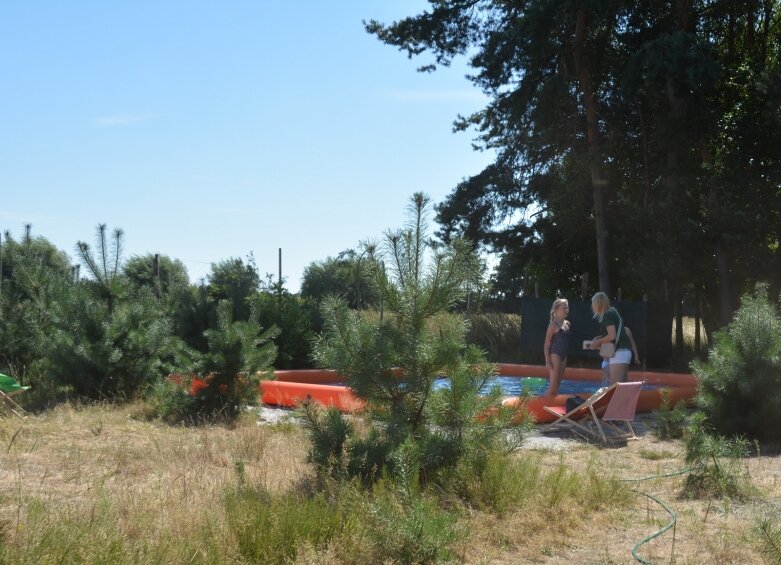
170	398
328	434
740	383
413	333
495	483
226	375
410	527
237	351
278	308
112	354
715	462
669	421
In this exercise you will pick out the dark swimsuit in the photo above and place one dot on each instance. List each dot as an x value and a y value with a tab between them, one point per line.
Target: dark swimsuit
560	342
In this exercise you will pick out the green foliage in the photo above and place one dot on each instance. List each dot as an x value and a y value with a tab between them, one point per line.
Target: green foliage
715	462
59	532
35	276
107	341
139	271
328	434
277	307
191	313
273	529
104	267
337	451
669	421
111	354
740	383
493	482
768	535
677	105
392	358
410	529
497	333
236	281
368	455
347	276
237	351
171	399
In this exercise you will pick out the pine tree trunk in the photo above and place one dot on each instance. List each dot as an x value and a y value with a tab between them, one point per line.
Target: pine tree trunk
725	286
598	180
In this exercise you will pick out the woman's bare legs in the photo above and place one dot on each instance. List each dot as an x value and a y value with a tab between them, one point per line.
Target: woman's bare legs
618	372
557	366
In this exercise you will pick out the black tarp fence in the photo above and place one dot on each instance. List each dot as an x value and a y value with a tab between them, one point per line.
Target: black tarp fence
650	322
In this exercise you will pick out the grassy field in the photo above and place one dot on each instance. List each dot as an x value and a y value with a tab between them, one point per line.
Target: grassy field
101	484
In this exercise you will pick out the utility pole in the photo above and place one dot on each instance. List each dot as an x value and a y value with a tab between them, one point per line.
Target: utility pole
156	276
279	285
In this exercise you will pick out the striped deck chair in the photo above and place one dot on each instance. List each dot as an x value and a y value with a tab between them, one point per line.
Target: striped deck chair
621	410
590	411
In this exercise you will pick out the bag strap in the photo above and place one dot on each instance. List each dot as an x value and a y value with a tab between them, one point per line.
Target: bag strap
620	325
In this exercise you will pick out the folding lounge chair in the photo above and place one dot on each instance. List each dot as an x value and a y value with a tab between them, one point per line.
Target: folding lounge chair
621	409
576	418
8	389
606	407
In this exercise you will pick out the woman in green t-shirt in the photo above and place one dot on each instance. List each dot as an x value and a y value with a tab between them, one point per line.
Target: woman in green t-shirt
612	331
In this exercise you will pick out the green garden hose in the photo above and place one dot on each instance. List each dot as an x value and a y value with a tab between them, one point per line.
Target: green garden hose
657	533
673	516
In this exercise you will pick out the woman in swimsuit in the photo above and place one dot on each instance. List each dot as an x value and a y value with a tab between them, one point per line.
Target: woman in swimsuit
557	344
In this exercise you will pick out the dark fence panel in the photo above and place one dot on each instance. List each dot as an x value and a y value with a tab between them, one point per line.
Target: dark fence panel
650	322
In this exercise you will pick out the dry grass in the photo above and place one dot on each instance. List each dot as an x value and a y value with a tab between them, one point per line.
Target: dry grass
707	531
157	484
155	481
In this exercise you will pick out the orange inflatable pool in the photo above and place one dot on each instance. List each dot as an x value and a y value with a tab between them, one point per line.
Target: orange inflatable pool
680	387
291	387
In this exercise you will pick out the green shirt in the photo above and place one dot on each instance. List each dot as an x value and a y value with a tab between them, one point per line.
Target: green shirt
612	318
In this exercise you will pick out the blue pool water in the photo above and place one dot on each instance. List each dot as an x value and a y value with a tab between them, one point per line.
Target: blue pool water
515	386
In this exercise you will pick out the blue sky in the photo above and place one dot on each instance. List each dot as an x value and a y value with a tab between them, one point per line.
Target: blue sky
211	130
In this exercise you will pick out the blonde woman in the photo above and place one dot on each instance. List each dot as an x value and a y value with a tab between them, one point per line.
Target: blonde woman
557	344
613	330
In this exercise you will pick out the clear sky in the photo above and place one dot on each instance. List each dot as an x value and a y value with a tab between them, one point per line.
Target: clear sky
209	130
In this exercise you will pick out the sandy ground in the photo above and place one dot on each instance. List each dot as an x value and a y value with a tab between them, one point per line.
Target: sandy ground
535	439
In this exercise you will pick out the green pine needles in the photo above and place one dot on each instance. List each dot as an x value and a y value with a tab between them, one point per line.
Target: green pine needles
768	535
393	356
740	383
716	463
